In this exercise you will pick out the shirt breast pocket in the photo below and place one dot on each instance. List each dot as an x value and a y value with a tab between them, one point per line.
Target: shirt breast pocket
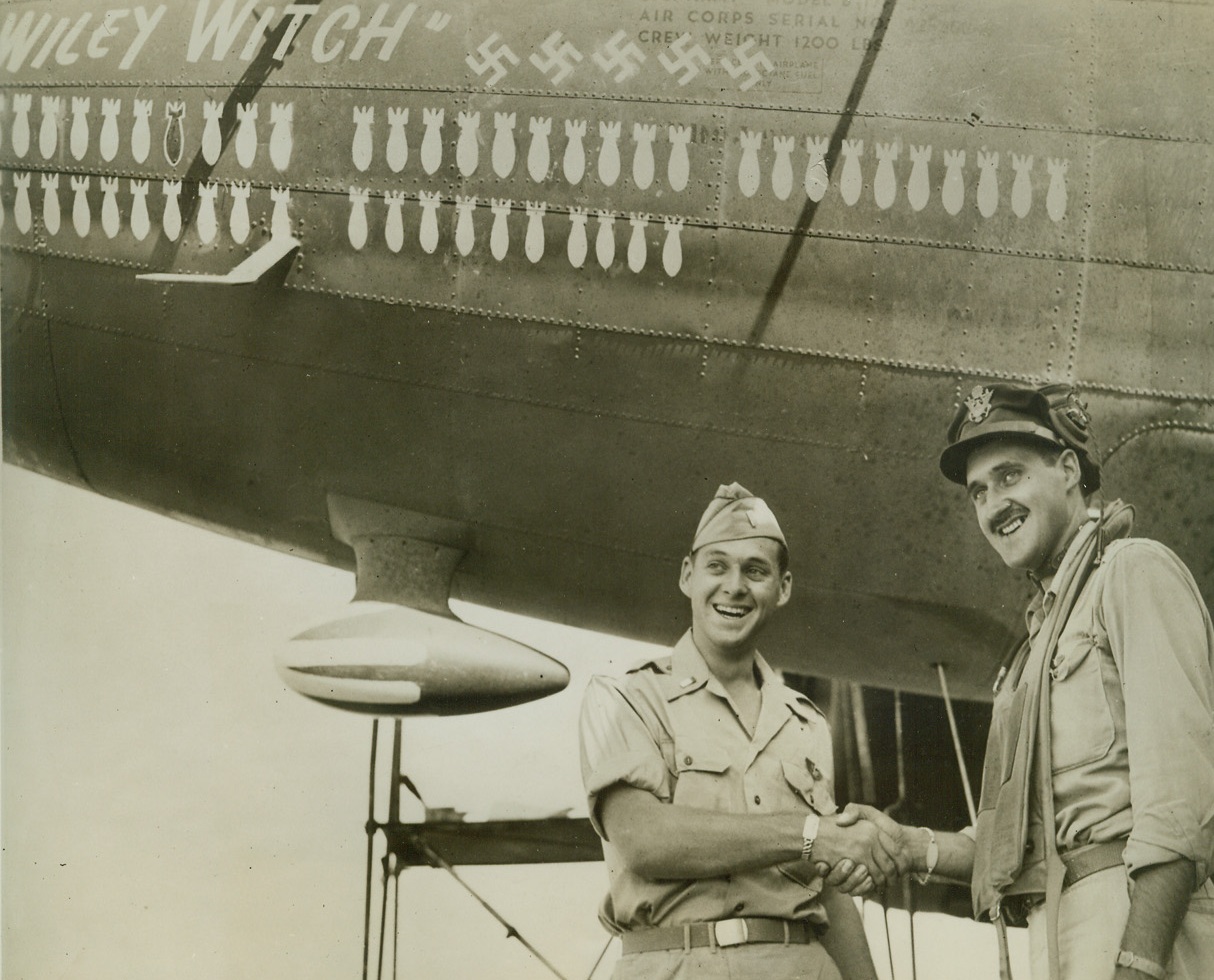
808	790
1081	722
701	775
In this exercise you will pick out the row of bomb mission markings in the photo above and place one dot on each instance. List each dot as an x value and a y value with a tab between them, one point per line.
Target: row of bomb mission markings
504	154
141	114
577	243
208	225
758	169
751	175
885	184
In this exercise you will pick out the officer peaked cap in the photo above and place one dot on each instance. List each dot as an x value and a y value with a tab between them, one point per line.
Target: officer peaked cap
1052	414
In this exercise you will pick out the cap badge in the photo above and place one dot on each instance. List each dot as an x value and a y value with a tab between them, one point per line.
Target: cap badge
979	403
1075	410
759	511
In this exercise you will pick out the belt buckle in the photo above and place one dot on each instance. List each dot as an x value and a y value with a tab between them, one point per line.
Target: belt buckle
731	932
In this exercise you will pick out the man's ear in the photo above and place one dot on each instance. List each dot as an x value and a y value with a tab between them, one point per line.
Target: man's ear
685	576
785	589
1069	461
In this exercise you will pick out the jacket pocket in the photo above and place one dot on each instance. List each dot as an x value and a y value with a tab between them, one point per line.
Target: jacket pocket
1081	722
1009	730
1006	721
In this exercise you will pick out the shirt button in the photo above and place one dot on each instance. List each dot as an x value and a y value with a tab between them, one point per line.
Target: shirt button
686	760
757	800
739	907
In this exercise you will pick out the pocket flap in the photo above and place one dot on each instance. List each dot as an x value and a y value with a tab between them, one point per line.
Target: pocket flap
691	755
799	778
1068	658
808	788
802	872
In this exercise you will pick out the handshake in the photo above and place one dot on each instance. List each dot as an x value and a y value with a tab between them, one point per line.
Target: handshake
861	849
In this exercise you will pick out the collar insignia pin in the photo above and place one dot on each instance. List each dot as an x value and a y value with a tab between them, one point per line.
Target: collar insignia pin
979	403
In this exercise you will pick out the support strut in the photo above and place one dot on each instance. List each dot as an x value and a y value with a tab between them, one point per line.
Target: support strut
1005	960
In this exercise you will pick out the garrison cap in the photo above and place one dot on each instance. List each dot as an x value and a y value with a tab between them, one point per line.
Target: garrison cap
1052	414
736	513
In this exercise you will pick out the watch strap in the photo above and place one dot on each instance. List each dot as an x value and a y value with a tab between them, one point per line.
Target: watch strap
933	856
1141	964
809	833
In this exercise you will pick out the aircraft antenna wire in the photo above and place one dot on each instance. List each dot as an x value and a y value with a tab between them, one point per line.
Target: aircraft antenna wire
952	726
1005	965
391	873
370	850
908	897
864	753
599	960
511	933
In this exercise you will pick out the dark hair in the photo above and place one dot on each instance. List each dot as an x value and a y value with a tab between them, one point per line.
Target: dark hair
781	555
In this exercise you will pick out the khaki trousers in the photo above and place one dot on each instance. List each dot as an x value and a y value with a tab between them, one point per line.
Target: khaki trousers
1091	921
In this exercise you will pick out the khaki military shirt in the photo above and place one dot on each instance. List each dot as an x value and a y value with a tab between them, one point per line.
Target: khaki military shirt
668	727
1132	710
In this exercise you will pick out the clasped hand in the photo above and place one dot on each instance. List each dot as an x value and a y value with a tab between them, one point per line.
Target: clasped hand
860	849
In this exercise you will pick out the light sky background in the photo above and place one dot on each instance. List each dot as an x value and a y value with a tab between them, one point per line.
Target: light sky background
171	809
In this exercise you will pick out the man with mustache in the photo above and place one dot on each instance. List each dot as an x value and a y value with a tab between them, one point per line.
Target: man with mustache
1107	849
710	783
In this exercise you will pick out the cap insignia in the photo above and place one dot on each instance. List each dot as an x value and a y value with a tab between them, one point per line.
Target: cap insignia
759	511
1076	411
979	403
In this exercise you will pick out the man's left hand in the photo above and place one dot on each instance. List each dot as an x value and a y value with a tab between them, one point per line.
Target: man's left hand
847	876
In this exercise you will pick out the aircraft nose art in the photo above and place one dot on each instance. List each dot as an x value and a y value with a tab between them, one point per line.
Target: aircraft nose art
393	660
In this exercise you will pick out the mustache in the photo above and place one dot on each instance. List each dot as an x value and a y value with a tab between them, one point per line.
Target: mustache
1008	513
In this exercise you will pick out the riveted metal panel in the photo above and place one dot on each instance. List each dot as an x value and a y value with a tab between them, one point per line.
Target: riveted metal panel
1150	69
1144	331
969	311
942	60
1170	508
1150	204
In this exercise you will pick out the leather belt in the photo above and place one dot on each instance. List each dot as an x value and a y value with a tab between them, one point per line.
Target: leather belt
726	932
1086	861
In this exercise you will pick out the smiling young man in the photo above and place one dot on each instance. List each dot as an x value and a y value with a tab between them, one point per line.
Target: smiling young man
1114	686
709	781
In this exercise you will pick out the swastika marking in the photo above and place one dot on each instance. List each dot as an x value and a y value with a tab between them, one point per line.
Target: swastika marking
492	59
624	59
688	60
750	66
561	57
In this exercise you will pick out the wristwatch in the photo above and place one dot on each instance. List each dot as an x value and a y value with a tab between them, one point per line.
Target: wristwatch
1141	964
809	833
